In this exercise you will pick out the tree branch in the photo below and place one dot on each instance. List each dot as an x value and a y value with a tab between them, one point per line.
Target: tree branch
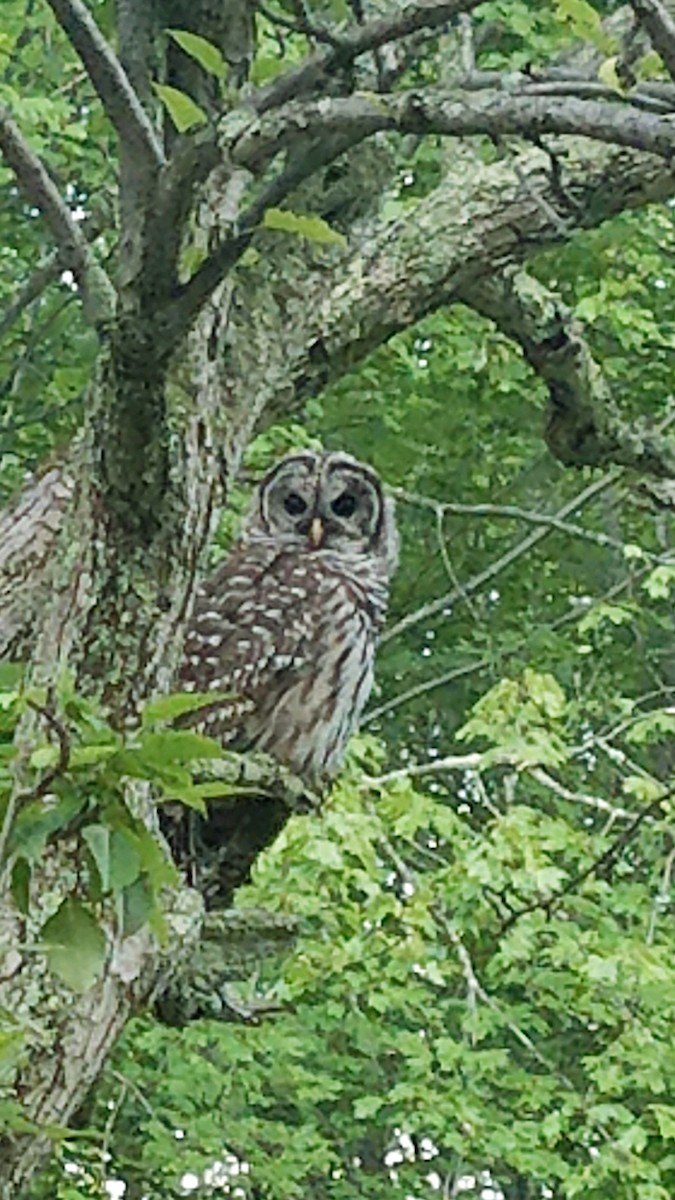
512	512
604	863
38	282
109	79
475	220
655	18
457	595
315	70
40	190
334	125
451	114
583	428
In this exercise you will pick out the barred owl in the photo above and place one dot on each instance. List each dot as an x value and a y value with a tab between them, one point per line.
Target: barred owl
287	626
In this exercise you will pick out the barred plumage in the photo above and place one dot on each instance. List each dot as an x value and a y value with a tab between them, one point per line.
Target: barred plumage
287	626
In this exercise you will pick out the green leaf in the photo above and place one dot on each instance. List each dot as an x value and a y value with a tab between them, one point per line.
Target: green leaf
20	884
659	582
125	859
650	66
177	704
205	53
74	944
160	870
137	905
11	674
546	692
266	67
585	23
35	823
602	970
665	1119
182	109
180	746
607	74
601	614
367	1106
311	226
89	756
653	727
323	851
645	790
97	838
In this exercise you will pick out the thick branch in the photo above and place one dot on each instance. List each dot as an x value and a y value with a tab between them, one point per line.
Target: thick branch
453	114
109	79
583	428
135	29
338	123
477	221
655	18
40	190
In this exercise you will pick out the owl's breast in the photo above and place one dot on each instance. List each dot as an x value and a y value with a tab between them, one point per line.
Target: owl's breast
292	646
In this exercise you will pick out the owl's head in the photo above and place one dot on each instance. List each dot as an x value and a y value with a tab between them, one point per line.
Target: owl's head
327	501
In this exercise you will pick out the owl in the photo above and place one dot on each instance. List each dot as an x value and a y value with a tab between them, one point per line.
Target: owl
287	626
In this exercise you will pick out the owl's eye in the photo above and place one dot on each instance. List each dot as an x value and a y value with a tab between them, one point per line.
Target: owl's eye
344	505
294	504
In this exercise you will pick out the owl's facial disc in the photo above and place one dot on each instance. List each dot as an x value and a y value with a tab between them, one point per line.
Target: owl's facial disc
318	501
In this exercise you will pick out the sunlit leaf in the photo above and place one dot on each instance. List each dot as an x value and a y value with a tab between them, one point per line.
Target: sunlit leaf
204	52
182	109
74	945
309	226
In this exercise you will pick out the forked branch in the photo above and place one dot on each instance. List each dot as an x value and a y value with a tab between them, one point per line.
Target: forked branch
40	190
108	77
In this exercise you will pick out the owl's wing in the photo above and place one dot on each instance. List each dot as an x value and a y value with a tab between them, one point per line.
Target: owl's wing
249	632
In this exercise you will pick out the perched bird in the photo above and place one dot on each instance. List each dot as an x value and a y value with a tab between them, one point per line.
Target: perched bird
287	626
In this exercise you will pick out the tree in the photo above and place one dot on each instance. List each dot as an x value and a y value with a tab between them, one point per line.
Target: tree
223	189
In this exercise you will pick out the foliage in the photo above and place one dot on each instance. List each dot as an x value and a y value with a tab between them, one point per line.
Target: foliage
71	786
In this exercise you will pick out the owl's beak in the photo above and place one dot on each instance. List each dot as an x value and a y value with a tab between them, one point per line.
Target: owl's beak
316	532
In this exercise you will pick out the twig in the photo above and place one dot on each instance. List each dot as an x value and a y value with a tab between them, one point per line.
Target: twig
39	188
475	761
476	989
109	79
447	563
433	607
585	798
514	513
311	74
192	295
421	688
452	762
33	289
404	872
662	898
603	863
61	765
318	32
